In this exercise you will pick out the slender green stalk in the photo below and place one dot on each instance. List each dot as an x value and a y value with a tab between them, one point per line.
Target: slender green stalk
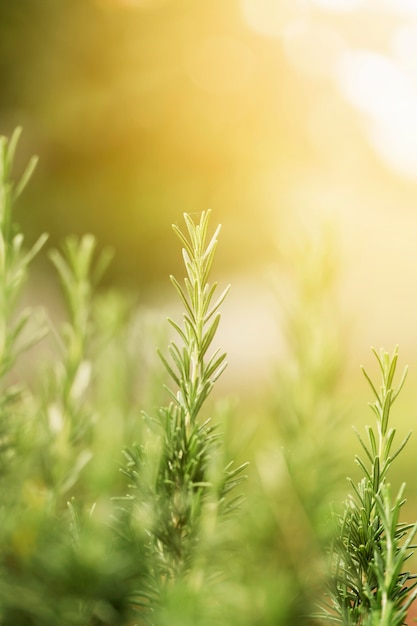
196	374
370	585
173	491
14	262
67	403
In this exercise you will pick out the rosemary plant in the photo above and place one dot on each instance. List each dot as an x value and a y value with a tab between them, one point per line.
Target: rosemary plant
14	262
59	564
370	585
183	489
67	402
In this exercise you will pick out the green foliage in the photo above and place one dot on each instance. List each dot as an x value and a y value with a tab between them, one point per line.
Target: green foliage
59	562
112	515
73	550
178	485
66	408
14	262
369	584
299	463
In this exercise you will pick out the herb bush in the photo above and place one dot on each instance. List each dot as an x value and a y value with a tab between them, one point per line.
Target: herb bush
115	515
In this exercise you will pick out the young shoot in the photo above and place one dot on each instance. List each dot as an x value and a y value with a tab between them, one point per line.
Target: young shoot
370	583
183	480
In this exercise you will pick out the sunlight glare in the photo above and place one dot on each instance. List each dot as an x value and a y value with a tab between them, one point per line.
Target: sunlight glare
375	84
404	47
406	7
379	87
340	5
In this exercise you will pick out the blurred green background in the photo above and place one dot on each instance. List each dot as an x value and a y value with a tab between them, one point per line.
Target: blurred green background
260	109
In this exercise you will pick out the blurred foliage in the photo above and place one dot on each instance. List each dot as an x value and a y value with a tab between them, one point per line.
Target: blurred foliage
140	113
80	544
143	109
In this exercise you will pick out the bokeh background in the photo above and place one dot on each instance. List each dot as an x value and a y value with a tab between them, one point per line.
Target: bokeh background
290	119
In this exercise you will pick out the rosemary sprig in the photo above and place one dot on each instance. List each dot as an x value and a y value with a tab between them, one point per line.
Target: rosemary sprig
370	584
174	477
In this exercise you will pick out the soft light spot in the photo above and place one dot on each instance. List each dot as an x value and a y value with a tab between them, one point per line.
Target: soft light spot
383	91
376	85
312	49
404	46
404	7
81	380
340	5
55	419
269	17
220	65
397	144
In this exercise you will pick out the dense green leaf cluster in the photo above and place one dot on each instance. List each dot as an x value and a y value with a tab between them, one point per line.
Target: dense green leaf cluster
185	482
369	582
77	545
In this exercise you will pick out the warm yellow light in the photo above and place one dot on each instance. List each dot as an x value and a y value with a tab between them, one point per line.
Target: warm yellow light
220	65
269	17
381	88
405	7
404	46
132	4
312	48
340	5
